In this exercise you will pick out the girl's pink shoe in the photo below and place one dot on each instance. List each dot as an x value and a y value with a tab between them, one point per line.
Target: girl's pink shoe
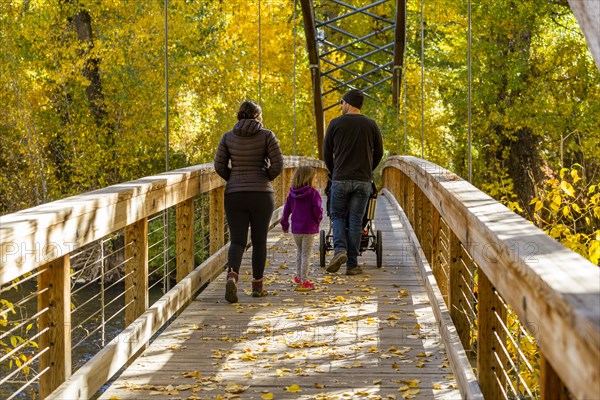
305	286
296	279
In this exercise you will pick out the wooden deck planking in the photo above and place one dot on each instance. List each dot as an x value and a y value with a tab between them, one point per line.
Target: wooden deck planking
353	337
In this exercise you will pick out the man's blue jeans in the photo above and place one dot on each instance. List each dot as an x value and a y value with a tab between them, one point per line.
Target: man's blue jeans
349	201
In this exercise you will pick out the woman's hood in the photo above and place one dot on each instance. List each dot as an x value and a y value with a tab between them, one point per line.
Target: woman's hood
247	127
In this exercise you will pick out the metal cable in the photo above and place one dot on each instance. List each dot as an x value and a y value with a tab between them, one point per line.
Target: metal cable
259	57
422	78
166	55
469	79
295	138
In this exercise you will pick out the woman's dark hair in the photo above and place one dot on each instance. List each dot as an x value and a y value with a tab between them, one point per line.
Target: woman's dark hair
249	110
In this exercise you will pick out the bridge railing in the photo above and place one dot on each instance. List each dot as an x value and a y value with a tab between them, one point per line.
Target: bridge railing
126	224
527	307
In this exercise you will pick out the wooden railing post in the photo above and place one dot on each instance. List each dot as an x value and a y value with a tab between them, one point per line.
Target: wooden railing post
418	210
551	386
455	292
286	183
490	336
410	209
405	192
55	323
426	226
394	182
136	270
217	219
435	244
185	238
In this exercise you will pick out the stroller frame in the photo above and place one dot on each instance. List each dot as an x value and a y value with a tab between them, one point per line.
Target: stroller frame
370	239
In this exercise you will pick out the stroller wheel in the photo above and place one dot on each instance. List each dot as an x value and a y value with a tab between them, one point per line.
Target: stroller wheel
379	250
322	248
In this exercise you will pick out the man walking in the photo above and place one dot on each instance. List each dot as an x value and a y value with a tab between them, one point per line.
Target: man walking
353	148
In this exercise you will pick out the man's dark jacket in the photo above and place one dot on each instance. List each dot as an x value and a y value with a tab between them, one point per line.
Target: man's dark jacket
353	147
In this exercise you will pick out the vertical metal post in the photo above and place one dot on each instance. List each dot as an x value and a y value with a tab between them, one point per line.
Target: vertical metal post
259	57
469	78
102	299
166	55
166	284
294	104
422	78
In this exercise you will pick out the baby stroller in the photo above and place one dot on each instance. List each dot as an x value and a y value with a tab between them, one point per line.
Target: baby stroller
369	241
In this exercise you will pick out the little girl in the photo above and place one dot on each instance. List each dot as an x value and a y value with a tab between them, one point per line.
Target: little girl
304	203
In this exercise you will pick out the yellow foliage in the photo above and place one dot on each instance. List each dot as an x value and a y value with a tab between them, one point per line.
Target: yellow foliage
569	211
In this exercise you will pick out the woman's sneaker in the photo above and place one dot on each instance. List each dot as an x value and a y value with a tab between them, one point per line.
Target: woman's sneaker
231	288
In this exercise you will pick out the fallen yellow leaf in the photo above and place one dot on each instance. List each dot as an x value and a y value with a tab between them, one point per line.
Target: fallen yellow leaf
293	389
235	388
267	396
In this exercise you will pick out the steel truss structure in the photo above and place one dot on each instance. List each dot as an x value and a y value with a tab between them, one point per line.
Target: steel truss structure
353	46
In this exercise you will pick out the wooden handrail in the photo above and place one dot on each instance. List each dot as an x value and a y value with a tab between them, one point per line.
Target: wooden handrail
547	285
43	238
36	236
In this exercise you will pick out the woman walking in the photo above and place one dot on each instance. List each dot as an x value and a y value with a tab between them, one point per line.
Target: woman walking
248	158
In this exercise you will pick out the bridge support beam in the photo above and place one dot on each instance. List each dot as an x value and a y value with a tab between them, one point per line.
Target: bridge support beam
310	32
400	36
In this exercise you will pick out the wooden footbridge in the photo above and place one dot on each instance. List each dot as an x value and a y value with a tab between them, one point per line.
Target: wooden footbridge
471	301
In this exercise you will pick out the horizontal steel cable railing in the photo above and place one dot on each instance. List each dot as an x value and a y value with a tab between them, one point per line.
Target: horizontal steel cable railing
526	307
163	230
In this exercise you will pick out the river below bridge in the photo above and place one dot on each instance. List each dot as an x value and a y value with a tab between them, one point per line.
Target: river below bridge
89	311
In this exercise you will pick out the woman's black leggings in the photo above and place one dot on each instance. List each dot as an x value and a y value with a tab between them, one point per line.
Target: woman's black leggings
244	209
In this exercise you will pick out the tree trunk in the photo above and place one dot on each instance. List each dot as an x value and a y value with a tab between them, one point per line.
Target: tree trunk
83	24
524	166
91	71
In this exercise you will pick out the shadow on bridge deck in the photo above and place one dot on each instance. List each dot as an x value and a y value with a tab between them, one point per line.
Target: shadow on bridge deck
368	336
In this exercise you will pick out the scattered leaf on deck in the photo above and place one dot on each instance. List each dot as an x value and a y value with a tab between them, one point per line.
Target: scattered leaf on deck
293	389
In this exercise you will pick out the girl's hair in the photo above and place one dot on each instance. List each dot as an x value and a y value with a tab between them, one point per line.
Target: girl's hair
303	177
249	110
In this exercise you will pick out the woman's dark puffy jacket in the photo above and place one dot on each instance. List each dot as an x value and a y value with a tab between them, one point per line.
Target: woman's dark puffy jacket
255	156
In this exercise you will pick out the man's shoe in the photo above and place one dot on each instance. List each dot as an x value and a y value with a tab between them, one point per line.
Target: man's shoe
354	271
337	260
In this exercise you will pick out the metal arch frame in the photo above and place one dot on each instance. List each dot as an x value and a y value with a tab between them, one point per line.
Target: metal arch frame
399	49
394	67
310	30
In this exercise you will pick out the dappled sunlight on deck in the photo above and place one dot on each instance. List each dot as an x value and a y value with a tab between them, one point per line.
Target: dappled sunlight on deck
364	336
